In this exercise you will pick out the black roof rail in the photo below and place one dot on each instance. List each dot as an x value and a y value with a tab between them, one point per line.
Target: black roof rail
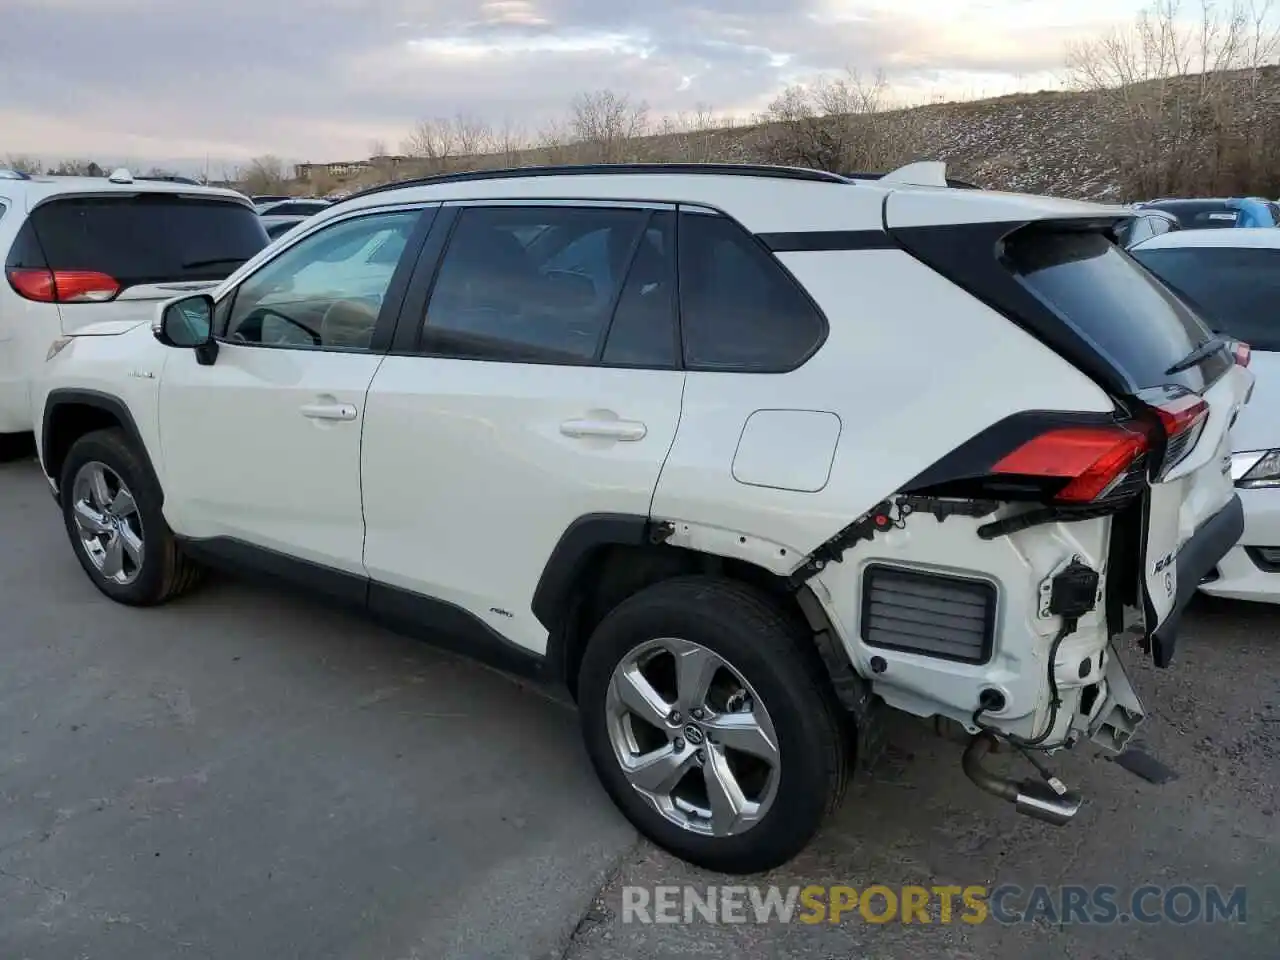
592	169
951	181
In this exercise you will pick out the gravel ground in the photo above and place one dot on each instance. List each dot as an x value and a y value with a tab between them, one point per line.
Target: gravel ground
245	774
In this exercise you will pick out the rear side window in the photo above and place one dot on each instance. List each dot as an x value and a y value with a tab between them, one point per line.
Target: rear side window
1128	316
1236	291
739	309
148	238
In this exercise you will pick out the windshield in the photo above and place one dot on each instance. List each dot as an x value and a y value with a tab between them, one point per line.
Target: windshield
1136	322
1235	290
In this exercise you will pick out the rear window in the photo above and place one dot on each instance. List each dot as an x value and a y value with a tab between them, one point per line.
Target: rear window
1236	291
148	238
1202	214
1131	318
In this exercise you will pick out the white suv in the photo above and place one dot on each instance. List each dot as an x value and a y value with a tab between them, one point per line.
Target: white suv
741	455
81	250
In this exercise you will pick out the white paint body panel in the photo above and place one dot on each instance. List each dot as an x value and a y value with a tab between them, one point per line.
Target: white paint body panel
787	449
242	460
470	481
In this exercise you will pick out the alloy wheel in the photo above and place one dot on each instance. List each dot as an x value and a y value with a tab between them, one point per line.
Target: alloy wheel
108	522
692	737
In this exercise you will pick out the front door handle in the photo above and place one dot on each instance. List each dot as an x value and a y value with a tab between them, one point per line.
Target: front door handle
329	411
605	429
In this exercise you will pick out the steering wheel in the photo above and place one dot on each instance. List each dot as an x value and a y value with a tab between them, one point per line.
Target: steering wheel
261	313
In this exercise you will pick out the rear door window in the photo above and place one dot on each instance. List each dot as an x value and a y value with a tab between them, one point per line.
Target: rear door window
1125	313
1235	290
147	238
542	284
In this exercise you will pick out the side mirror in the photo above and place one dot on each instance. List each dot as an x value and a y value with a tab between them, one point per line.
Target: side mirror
188	323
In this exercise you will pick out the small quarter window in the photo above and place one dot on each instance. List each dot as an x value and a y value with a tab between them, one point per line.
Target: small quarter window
739	309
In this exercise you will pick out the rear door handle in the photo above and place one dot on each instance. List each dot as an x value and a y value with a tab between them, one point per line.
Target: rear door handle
605	429
329	411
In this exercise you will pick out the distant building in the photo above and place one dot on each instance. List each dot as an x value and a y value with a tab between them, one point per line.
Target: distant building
347	168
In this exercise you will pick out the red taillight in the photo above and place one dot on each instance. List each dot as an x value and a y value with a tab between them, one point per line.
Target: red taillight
1091	459
1182	414
63	286
1242	353
34	284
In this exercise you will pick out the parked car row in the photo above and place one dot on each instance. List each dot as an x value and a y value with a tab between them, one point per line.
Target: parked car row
1155	217
740	457
281	216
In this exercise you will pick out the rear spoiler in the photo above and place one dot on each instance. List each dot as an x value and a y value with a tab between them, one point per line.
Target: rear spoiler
926	173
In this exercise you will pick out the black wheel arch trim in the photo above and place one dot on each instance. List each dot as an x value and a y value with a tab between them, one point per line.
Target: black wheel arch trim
569	558
106	402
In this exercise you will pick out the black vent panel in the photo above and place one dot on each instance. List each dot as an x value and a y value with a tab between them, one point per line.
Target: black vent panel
934	615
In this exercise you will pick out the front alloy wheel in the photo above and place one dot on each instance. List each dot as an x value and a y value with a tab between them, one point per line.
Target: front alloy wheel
692	737
108	521
111	504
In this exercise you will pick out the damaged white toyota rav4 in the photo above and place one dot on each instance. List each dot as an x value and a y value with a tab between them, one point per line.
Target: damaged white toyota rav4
739	455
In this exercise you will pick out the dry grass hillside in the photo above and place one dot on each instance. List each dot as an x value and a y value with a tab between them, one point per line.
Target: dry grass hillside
1193	135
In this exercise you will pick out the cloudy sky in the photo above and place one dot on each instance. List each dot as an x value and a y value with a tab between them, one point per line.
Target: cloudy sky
163	80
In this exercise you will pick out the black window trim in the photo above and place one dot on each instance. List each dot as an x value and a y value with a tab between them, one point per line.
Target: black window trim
407	339
384	327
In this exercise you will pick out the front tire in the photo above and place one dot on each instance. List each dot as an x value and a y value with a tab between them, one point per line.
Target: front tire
111	509
711	724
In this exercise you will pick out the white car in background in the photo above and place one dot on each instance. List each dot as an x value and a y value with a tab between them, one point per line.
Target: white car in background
78	251
1233	278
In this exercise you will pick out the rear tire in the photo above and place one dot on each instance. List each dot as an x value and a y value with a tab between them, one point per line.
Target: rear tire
762	675
111	509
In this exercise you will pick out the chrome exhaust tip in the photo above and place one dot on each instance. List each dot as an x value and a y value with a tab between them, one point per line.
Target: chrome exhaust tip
1035	798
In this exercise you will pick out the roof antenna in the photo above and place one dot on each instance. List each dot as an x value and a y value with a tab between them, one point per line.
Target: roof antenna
120	175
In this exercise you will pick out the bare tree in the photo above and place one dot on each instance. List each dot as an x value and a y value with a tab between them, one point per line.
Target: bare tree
472	135
22	163
432	142
509	143
606	122
264	175
1189	114
554	144
76	168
